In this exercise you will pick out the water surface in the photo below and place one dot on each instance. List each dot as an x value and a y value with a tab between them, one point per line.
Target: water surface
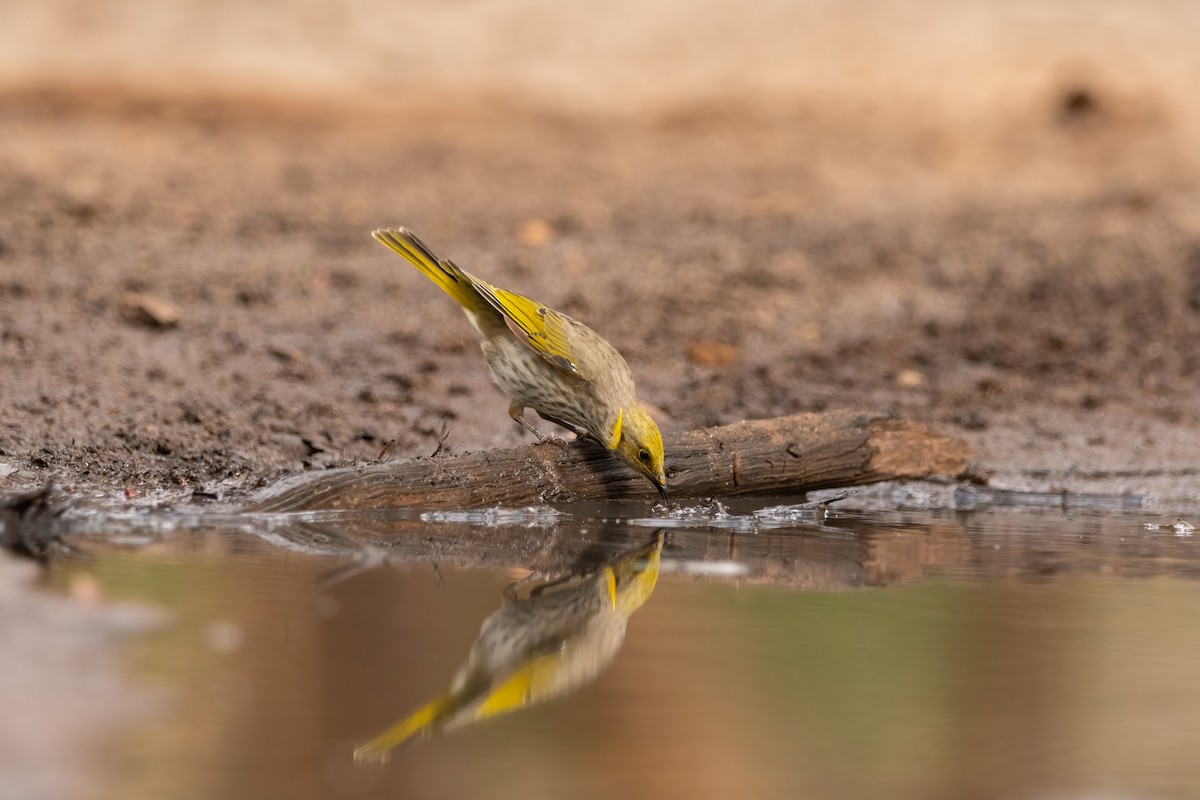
782	652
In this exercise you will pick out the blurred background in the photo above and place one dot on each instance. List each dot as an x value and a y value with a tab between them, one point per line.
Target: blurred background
970	60
983	216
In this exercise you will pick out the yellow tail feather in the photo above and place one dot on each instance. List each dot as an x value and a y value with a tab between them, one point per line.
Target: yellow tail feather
419	722
452	280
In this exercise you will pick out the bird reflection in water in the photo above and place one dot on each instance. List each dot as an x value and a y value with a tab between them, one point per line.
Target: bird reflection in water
555	639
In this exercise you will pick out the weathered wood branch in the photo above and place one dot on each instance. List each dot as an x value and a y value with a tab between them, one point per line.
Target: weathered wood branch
786	454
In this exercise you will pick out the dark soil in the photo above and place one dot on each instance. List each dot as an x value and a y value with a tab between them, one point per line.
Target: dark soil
190	297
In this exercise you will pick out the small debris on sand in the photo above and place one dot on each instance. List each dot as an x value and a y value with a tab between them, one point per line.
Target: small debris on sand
149	311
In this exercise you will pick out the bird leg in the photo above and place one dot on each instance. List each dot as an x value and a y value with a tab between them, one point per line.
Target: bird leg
540	583
517	412
580	434
512	591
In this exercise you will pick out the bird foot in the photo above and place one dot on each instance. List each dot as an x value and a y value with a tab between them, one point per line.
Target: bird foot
554	440
536	582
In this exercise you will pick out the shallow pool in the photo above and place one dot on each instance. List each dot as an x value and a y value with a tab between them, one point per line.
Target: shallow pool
777	651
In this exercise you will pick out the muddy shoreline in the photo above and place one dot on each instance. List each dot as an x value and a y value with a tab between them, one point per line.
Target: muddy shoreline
190	301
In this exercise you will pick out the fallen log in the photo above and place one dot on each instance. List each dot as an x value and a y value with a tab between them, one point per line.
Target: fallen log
772	456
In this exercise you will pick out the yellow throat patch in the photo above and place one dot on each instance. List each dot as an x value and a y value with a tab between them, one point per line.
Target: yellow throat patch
615	439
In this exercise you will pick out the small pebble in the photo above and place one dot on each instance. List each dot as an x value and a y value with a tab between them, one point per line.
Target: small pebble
149	311
535	232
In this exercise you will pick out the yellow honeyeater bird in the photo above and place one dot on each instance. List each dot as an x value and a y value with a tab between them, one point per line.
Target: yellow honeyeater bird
534	649
546	361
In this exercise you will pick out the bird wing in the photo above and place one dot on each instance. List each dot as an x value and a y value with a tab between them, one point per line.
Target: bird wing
546	331
530	683
543	329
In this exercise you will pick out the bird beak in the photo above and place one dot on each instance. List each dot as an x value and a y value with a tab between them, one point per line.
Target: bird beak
660	483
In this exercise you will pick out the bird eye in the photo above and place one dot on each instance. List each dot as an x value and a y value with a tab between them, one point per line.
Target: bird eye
644	455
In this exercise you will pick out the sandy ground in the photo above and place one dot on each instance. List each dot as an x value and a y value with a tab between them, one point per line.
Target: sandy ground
983	218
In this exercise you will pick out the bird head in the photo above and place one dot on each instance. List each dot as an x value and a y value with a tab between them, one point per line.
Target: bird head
637	441
634	575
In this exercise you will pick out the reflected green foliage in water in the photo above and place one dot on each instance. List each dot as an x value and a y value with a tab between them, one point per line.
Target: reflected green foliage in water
957	689
181	585
884	648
